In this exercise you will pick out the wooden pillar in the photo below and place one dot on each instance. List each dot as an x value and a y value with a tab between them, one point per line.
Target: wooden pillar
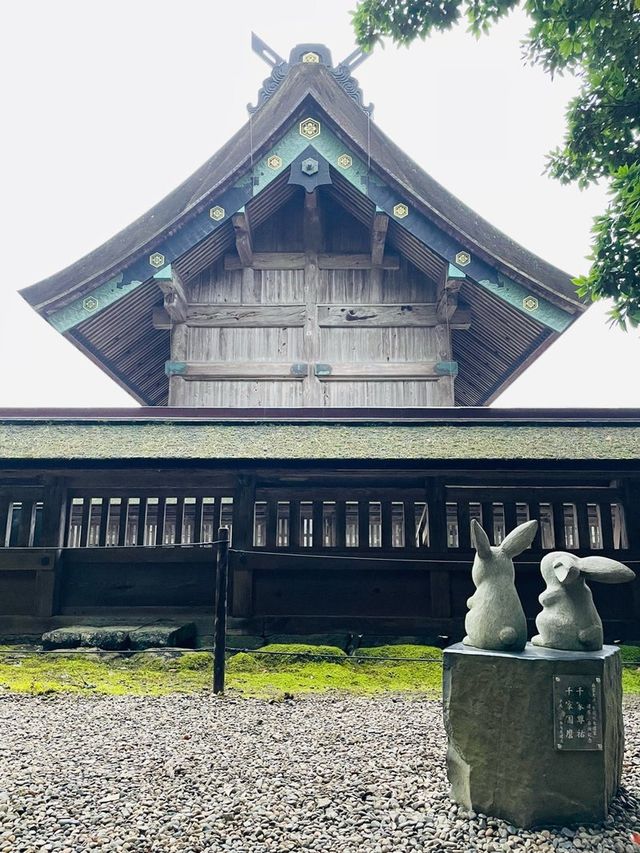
312	232
54	521
439	577
179	337
242	577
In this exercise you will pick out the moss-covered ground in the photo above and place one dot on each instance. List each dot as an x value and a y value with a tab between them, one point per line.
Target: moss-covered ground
262	675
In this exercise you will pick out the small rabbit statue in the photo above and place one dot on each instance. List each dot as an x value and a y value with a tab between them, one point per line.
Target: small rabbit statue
496	619
569	619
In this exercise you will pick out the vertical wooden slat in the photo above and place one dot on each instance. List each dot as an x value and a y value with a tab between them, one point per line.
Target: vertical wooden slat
294	524
271	522
363	524
584	540
606	525
386	531
53	514
559	536
162	505
464	525
179	519
142	520
410	524
5	503
217	516
122	522
510	516
317	525
534	515
437	514
197	521
341	524
104	522
86	515
487	518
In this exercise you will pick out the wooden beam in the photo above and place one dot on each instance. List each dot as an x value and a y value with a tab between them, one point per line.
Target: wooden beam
332	261
296	261
246	316
422	315
237	370
160	319
366	370
379	228
175	296
244	243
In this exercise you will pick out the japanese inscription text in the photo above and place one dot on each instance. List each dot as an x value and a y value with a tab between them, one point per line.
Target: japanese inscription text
577	712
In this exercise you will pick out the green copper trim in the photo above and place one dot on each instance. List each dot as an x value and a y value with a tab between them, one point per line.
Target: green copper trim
175	368
454	272
447	368
104	295
519	297
285	151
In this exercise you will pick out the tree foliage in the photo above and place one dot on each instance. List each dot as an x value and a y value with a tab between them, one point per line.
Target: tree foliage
599	42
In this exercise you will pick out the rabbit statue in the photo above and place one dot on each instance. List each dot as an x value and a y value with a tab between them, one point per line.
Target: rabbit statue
496	619
569	619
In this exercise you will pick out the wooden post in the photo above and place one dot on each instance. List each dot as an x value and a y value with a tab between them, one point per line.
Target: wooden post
220	623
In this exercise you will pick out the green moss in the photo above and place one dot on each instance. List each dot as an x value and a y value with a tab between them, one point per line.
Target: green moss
630	654
210	440
400	651
250	675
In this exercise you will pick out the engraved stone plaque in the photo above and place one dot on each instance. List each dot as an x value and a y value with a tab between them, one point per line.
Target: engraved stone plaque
577	712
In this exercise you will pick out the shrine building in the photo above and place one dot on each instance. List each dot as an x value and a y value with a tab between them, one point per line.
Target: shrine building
314	328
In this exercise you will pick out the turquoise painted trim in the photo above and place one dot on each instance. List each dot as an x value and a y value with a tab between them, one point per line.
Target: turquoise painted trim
447	368
165	274
175	368
288	148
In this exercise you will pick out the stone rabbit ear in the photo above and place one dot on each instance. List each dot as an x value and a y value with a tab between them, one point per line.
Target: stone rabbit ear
480	540
604	570
519	538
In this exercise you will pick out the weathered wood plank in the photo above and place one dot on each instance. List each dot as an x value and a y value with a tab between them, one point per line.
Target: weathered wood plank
245	316
296	260
331	261
423	315
380	370
268	261
234	370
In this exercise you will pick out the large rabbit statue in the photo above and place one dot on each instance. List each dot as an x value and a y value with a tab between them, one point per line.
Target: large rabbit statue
569	619
496	619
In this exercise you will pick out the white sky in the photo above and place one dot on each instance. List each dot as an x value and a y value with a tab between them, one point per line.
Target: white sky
108	105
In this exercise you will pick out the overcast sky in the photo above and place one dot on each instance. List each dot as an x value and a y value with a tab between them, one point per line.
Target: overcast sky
108	106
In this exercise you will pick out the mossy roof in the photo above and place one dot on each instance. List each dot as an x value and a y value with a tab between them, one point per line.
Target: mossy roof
282	441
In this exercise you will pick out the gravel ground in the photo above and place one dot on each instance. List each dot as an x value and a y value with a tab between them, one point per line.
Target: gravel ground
199	774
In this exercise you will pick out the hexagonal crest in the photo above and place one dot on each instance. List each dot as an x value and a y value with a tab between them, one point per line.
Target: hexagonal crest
217	213
400	210
530	303
90	303
310	56
345	161
310	128
463	259
156	260
274	162
309	166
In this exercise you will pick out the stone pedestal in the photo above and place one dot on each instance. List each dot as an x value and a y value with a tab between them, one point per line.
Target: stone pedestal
517	749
